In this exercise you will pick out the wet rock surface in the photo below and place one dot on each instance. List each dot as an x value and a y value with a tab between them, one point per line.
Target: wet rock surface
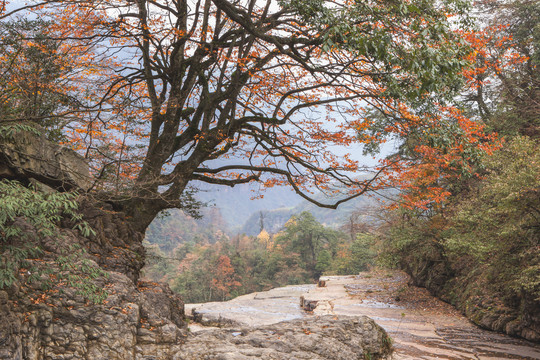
421	326
262	308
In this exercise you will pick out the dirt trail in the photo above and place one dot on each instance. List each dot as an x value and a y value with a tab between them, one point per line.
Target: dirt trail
421	326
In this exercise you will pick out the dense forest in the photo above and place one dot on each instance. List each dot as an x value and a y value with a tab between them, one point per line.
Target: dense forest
210	265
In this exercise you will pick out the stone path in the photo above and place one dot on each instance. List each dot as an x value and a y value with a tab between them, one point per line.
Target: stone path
422	327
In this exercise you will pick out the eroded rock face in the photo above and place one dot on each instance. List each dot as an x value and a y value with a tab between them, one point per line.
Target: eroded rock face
25	155
314	338
136	319
115	246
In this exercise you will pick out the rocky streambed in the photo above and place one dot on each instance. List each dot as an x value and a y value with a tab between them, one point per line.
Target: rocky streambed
421	326
271	325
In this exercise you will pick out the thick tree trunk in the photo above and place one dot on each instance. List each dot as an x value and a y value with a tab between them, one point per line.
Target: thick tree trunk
141	212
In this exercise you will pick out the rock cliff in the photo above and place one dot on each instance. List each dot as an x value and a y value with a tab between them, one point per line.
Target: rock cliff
80	297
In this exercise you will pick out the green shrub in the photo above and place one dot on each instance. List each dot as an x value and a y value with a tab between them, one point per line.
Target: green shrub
43	211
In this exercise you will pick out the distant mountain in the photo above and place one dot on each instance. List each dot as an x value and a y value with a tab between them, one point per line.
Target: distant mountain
272	221
237	203
336	217
233	211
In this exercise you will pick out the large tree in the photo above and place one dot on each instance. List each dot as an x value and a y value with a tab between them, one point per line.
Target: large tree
171	86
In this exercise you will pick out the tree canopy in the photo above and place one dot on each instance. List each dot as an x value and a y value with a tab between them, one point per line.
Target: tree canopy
166	93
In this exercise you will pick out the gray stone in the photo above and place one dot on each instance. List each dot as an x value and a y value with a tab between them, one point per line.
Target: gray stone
314	338
29	156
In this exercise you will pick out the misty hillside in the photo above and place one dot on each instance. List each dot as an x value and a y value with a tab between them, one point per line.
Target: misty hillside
176	228
238	203
235	213
273	220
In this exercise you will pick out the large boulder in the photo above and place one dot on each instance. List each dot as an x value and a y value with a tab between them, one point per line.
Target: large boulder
313	338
